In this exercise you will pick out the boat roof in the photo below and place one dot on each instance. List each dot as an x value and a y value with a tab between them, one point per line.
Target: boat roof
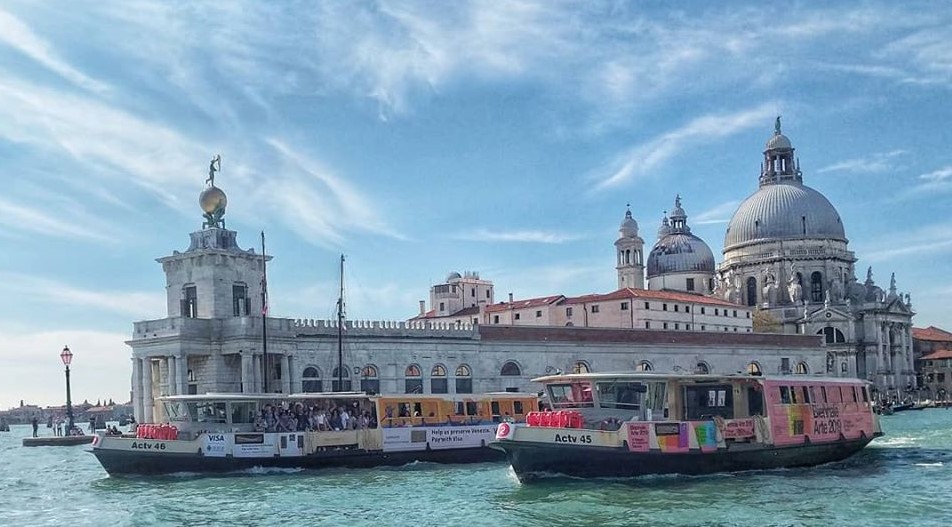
700	377
336	395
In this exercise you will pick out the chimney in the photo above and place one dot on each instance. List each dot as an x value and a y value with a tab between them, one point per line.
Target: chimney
510	298
422	307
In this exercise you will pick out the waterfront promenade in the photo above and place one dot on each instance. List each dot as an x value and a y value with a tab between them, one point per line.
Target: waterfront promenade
901	479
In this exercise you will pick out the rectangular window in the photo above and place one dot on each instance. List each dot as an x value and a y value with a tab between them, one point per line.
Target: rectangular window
568	312
439	385
865	395
687	309
664	307
517	408
442	306
472	293
412	385
793	394
784	395
665	325
677	326
784	365
823	393
190	302
690	284
516	316
487	293
595	308
538	314
940	377
624	306
647	324
812	395
716	312
702	310
748	314
687	327
647	305
464	385
807	396
495	319
735	313
239	298
676	308
855	397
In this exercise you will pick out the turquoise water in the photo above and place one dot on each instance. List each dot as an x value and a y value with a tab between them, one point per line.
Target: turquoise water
904	478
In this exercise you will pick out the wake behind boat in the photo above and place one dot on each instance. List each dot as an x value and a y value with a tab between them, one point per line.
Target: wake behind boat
231	432
632	424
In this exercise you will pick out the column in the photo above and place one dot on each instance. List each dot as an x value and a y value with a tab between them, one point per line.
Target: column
246	372
285	374
292	375
137	389
171	385
147	401
181	374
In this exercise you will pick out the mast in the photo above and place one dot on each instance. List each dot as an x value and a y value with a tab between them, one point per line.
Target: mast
264	315
340	330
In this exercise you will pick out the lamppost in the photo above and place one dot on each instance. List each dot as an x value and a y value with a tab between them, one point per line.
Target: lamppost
67	357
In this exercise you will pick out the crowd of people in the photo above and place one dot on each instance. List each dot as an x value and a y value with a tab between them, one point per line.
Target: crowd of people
318	417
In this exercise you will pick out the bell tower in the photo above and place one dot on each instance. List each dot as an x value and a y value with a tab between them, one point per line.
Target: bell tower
213	278
629	251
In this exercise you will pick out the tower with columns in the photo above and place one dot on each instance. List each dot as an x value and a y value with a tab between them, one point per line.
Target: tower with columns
629	251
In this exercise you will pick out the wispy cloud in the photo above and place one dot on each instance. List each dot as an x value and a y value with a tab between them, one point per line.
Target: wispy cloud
642	159
22	218
527	236
720	213
929	239
938	181
873	164
18	35
140	305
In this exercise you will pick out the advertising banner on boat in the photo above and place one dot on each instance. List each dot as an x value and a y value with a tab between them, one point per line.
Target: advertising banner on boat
460	436
738	428
216	445
673	437
639	435
254	445
402	439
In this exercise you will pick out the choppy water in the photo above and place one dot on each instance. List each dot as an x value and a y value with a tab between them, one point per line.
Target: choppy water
904	478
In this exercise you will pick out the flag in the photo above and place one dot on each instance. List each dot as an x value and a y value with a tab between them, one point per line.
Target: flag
264	296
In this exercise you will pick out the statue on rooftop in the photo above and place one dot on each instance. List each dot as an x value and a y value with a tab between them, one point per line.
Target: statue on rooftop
213	167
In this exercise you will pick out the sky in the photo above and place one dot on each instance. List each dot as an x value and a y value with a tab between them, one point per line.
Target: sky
420	138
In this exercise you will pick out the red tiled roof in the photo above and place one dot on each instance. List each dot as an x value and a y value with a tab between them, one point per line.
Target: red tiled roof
931	333
938	355
650	295
523	304
701	339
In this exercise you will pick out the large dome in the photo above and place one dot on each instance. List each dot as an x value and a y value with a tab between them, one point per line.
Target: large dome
781	211
680	252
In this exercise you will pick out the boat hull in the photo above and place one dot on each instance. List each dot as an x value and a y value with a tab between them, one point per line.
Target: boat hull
125	463
532	461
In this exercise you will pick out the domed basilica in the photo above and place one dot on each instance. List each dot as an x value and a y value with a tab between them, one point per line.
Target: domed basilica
787	255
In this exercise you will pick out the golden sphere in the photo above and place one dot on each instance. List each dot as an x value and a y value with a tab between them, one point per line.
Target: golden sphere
211	199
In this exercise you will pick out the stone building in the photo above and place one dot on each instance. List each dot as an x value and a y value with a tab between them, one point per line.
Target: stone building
786	252
212	337
936	375
679	260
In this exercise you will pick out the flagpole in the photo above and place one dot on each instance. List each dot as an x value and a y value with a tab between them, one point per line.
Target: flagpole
340	330
264	314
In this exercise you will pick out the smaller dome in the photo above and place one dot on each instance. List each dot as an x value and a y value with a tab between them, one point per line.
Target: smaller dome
629	227
453	276
779	142
680	253
212	199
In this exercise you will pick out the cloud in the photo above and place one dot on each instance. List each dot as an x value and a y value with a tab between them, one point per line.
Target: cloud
526	236
18	217
645	158
929	239
140	305
938	181
720	213
32	369
873	164
18	35
939	175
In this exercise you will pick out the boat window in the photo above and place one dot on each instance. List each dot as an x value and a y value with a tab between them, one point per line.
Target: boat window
207	412
243	412
855	398
793	395
655	407
807	394
823	391
704	401
176	411
471	408
574	395
784	395
517	407
621	394
494	408
755	401
865	395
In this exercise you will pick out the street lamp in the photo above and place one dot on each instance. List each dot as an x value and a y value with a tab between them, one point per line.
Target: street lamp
67	357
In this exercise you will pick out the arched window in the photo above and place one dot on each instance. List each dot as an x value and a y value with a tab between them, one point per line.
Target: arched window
336	376
801	368
751	291
832	335
510	369
369	379
644	366
702	368
438	381
816	286
414	379
754	369
581	366
311	380
464	379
